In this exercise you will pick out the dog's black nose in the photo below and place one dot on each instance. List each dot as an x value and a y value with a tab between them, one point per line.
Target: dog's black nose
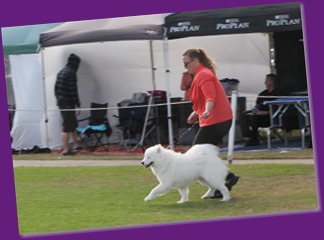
142	163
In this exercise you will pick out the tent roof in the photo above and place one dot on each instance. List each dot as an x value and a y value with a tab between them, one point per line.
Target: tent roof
23	39
113	29
263	18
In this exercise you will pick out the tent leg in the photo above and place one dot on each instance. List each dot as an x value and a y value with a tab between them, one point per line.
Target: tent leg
144	134
45	100
231	138
167	78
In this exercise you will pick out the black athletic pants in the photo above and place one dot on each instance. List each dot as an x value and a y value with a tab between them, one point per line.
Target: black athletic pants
212	134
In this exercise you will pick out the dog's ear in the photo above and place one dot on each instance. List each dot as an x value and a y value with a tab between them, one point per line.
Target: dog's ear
159	148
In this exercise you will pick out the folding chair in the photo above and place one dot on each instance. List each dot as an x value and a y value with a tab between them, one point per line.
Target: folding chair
137	123
98	126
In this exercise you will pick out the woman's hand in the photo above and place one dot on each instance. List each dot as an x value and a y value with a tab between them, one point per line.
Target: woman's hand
208	108
205	114
193	117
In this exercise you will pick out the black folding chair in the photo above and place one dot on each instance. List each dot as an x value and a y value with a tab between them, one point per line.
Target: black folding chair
98	126
131	122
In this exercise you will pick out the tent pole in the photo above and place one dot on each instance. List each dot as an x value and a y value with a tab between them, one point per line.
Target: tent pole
150	100
141	142
152	65
45	99
231	138
155	109
167	78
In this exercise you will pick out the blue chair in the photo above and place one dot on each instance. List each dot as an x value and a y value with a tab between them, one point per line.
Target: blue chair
97	128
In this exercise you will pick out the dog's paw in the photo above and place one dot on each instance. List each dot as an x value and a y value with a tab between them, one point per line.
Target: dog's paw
206	196
225	199
147	199
182	201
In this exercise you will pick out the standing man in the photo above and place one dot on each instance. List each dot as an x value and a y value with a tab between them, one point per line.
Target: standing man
186	82
67	98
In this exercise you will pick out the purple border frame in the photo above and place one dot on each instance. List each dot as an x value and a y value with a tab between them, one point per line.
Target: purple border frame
307	225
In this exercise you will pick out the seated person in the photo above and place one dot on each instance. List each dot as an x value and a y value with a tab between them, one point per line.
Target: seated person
259	116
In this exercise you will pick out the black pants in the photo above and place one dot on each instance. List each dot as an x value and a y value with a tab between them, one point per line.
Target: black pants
250	124
212	134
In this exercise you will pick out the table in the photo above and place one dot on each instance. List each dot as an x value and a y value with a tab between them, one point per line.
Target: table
276	116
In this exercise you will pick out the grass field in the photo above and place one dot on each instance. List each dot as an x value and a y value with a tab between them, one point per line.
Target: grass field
78	198
273	154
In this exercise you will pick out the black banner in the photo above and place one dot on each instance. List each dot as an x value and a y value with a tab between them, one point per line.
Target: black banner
265	18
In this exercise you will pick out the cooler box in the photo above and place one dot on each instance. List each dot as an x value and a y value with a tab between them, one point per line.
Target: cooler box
229	85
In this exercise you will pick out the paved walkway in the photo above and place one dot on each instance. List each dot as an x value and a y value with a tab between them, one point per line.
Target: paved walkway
74	163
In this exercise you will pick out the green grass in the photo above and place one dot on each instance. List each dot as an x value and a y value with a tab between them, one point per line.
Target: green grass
74	198
272	154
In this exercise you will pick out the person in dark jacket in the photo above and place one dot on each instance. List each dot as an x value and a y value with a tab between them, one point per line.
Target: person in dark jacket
259	116
67	99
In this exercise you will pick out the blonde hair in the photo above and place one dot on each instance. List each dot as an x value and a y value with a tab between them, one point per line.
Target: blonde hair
202	58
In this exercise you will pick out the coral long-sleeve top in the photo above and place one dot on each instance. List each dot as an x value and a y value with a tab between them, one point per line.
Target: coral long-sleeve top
206	87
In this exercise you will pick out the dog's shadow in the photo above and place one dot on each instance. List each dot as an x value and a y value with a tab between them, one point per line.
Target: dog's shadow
194	204
192	210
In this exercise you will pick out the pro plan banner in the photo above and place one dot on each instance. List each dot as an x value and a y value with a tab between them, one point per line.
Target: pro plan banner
265	18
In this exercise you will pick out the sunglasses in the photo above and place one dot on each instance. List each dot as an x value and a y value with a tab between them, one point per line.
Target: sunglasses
186	64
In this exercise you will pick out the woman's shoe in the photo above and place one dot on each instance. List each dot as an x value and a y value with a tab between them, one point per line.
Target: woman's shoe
229	184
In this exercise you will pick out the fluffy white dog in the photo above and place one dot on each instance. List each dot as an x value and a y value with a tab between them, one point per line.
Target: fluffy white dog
178	170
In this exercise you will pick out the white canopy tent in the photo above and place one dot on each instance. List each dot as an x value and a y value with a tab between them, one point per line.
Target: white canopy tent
115	64
24	79
27	82
113	69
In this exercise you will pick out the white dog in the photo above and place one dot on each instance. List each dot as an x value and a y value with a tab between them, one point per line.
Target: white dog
178	170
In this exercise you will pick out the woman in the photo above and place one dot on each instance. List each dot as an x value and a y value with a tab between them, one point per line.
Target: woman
211	106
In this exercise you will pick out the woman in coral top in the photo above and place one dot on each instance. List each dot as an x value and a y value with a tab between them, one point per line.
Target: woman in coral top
211	106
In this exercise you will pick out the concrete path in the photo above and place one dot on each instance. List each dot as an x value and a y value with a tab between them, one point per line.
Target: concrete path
75	163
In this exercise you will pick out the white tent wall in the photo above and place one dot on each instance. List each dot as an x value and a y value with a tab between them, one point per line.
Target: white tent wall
113	71
109	72
27	83
245	57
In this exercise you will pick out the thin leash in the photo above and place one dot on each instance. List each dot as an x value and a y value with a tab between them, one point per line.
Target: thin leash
183	134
